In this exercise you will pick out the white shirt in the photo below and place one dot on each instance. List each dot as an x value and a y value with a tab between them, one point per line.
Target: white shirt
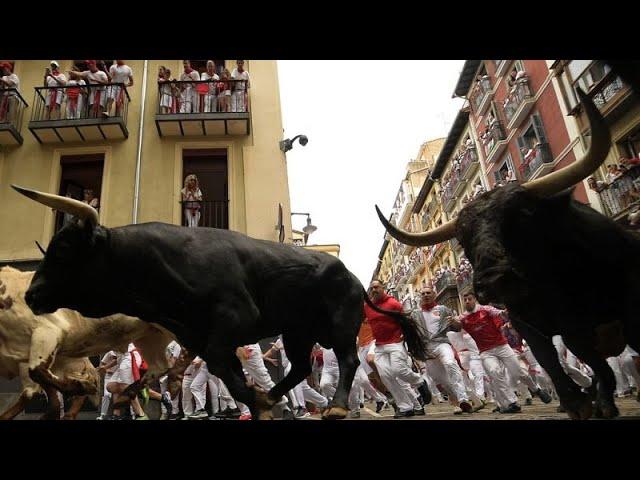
431	321
329	359
13	78
185	77
95	77
235	75
212	85
463	341
173	349
121	74
51	82
108	357
283	355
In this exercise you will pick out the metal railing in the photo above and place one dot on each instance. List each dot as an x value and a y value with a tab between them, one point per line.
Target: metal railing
446	280
518	94
621	193
468	157
539	154
464	280
202	96
480	91
492	135
79	102
12	107
205	213
606	89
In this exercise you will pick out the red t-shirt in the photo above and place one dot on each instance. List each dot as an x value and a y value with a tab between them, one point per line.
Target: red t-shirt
484	327
385	329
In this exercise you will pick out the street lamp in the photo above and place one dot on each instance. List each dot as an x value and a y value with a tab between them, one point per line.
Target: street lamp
309	228
287	144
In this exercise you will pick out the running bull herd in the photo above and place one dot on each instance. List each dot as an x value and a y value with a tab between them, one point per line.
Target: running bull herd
215	290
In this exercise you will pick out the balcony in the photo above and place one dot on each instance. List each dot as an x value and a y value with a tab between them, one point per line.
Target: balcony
79	116
469	164
12	107
208	213
519	103
481	95
619	196
447	280
416	265
203	108
494	142
465	282
537	162
448	197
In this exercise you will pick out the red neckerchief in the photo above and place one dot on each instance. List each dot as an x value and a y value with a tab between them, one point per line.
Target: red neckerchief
429	306
188	70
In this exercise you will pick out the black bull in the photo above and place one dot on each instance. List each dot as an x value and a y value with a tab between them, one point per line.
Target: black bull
214	289
560	267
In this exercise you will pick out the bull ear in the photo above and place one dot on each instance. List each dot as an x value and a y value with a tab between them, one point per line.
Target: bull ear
562	198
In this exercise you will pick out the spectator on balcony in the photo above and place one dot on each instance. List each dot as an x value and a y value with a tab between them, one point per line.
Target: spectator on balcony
91	199
93	76
629	162
189	95
8	99
224	91
210	99
191	200
120	73
596	185
613	173
239	101
75	96
165	91
53	78
469	143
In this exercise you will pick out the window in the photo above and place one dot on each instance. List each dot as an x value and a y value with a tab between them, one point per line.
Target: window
533	135
80	173
584	74
506	172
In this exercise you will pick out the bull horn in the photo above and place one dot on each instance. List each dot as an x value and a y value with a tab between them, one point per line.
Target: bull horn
573	174
437	235
64	204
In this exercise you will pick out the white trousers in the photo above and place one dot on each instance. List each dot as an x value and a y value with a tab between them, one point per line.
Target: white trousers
453	375
497	362
570	363
395	372
472	364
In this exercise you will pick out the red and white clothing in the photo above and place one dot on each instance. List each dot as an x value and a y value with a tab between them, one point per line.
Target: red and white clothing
470	360
55	95
119	74
392	358
570	363
74	98
484	325
192	206
442	356
97	96
125	371
210	97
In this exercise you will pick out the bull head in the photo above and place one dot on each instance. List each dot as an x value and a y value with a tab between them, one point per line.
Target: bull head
70	259
494	270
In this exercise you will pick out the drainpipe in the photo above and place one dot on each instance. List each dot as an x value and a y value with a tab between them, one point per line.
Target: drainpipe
136	189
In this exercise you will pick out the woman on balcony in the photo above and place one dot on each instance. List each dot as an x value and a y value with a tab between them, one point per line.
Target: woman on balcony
191	200
8	100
